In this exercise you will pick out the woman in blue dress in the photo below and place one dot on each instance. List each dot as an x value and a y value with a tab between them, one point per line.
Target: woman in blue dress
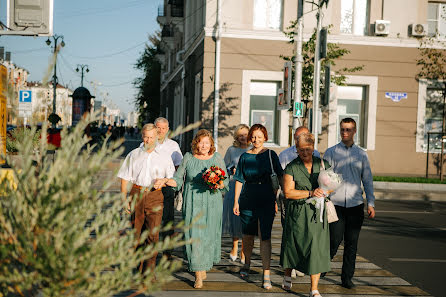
257	206
202	206
231	223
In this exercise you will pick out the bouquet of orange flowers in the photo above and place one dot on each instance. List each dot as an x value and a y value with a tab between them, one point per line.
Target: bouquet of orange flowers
214	177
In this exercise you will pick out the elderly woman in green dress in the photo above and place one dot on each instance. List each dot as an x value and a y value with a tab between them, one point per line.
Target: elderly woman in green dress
201	204
305	239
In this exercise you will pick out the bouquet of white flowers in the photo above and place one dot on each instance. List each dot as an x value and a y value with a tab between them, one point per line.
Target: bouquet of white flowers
328	181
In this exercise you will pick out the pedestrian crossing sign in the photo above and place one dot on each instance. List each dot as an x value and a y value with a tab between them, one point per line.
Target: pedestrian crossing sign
298	109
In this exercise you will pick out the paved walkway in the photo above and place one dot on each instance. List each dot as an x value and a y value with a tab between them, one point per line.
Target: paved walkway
223	280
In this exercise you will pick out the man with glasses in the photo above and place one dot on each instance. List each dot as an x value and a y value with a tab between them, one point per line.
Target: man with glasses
352	163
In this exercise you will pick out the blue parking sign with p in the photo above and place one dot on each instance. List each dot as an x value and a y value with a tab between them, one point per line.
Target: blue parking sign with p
25	96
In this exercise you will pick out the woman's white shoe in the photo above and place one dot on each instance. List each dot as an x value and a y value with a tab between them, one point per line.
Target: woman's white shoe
233	258
315	293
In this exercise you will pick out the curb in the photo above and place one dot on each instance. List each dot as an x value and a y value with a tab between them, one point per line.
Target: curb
410	191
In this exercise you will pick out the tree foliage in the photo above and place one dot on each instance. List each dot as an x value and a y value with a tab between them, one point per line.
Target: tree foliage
148	85
334	52
62	233
432	59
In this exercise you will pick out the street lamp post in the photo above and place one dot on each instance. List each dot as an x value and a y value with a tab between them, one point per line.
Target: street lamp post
82	67
55	81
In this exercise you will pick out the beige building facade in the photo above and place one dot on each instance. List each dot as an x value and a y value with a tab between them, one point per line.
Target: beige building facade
393	109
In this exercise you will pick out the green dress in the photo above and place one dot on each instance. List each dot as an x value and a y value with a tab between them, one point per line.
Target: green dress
305	240
205	204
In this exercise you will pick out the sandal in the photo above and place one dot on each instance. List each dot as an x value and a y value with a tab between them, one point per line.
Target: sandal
315	293
244	272
267	282
198	283
287	284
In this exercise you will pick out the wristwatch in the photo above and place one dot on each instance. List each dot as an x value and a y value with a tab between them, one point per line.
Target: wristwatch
309	194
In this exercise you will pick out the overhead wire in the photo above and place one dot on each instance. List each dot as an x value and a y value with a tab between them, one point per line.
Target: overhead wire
107	55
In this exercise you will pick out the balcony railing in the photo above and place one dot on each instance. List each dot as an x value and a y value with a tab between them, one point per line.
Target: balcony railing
161	10
176	11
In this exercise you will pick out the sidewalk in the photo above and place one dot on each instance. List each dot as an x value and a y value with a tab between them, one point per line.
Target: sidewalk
224	281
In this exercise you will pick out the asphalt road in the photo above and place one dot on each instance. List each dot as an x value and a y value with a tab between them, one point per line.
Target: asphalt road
408	238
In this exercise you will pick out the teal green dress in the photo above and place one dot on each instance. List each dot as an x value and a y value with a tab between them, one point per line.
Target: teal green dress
257	199
205	204
305	240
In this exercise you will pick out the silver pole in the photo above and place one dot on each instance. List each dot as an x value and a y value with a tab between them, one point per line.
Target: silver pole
217	73
317	75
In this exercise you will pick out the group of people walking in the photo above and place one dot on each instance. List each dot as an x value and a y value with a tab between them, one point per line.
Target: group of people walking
250	199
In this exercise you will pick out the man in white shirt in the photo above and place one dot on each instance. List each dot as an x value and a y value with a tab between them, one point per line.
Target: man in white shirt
142	167
285	157
171	148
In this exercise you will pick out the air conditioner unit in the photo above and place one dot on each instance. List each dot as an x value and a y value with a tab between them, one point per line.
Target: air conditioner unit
382	27
418	30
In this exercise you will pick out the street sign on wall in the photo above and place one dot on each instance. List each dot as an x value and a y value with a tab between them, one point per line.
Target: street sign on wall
396	96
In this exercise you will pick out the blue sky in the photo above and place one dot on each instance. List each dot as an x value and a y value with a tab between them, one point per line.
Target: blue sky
108	35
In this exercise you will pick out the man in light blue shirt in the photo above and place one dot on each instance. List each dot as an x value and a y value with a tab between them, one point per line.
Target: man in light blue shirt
352	162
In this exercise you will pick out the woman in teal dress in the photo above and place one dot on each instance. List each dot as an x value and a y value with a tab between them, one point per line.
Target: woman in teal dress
255	204
305	239
199	201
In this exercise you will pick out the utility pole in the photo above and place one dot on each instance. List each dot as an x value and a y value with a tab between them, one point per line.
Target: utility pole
217	72
82	68
55	80
298	61
317	75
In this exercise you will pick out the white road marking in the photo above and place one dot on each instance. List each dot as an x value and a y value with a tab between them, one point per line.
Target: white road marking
417	260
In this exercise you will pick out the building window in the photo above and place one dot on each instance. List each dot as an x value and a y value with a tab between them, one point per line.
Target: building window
354	17
267	14
436	19
351	104
433	116
262	107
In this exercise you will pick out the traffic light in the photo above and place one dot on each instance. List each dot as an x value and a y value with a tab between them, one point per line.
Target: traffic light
30	17
326	94
323	43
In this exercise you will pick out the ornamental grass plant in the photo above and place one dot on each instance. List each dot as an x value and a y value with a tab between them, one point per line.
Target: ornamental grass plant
60	236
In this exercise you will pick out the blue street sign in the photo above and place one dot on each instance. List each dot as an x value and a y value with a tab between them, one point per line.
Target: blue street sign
25	96
298	110
396	96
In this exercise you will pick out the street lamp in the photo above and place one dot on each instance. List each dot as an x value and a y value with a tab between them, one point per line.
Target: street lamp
82	68
55	81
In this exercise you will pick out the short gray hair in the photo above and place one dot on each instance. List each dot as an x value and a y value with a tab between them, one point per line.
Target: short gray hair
161	120
147	127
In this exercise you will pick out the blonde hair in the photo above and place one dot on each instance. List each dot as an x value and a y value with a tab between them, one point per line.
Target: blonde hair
147	127
306	138
236	142
201	134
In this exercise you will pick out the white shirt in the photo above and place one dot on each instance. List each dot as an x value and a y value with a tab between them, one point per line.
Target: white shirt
172	148
288	155
142	168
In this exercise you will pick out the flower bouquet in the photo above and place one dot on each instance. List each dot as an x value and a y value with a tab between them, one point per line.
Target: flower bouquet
328	181
214	177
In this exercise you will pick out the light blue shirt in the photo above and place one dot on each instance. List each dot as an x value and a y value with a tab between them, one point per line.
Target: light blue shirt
288	155
353	163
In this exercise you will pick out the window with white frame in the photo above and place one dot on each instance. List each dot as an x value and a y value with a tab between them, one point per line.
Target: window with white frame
262	107
354	17
436	19
267	14
433	117
351	103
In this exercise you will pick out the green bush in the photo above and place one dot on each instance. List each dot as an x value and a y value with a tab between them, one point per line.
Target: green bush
59	236
18	136
398	179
